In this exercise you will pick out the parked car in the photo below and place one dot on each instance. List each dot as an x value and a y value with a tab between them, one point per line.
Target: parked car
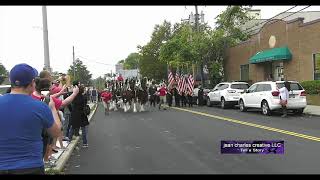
265	96
226	94
4	88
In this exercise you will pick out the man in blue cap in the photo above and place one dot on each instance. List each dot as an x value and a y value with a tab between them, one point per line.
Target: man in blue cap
22	120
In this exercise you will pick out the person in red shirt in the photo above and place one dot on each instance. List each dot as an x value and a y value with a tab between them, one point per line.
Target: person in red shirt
120	78
162	94
106	98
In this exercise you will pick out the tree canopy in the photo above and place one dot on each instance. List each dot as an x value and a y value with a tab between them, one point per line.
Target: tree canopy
181	45
82	74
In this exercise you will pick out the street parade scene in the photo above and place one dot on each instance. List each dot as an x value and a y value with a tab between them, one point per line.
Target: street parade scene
130	90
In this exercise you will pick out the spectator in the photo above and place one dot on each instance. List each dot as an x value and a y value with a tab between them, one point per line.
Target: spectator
200	96
67	116
57	90
22	121
88	94
44	84
94	94
284	96
78	117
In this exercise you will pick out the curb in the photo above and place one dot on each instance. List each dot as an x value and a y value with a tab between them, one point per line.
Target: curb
66	155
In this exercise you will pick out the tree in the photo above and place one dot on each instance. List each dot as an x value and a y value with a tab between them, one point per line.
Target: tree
81	73
231	20
121	61
132	61
99	83
3	73
150	64
228	32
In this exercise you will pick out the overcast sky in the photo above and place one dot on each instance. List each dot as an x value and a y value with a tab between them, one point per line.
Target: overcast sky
104	34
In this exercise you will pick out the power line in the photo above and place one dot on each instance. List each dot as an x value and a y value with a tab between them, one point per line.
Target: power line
270	18
276	20
90	60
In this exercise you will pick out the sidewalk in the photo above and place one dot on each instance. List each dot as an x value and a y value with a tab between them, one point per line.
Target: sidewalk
63	155
312	110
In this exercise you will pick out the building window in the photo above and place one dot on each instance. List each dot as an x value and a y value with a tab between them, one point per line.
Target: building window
244	72
316	65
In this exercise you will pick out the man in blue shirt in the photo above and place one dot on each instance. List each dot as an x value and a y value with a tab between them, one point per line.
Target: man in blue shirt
21	123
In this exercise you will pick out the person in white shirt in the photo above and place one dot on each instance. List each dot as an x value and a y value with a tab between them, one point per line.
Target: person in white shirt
195	94
284	96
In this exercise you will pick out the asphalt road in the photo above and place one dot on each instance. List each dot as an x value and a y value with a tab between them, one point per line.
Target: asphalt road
180	142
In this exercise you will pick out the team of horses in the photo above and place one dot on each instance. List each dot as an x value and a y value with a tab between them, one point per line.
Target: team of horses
130	94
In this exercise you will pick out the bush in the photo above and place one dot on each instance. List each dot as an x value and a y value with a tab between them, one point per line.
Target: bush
311	87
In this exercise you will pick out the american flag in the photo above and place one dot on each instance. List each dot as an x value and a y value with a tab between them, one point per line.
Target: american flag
170	80
190	85
183	84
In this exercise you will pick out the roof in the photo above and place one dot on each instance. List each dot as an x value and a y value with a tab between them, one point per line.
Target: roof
255	25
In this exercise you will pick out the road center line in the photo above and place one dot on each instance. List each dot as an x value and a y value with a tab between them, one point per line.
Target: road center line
313	138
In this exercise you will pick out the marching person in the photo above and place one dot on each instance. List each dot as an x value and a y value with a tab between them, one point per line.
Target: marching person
106	98
284	96
176	97
162	95
183	100
169	96
152	93
189	96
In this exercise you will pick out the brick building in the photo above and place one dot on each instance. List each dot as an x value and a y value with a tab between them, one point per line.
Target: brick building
281	50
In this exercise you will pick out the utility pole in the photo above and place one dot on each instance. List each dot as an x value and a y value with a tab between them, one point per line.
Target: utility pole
74	64
197	30
45	39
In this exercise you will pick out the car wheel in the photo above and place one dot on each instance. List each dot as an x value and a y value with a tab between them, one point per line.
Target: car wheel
265	108
242	106
209	103
223	103
298	111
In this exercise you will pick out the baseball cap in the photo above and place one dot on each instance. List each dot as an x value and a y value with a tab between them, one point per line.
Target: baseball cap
22	74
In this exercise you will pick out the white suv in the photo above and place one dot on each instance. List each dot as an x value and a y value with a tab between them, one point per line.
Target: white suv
226	93
265	96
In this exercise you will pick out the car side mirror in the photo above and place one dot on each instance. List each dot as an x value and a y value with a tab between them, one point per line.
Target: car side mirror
247	91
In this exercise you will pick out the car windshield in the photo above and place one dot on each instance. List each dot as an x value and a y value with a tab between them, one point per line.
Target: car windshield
239	86
293	86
